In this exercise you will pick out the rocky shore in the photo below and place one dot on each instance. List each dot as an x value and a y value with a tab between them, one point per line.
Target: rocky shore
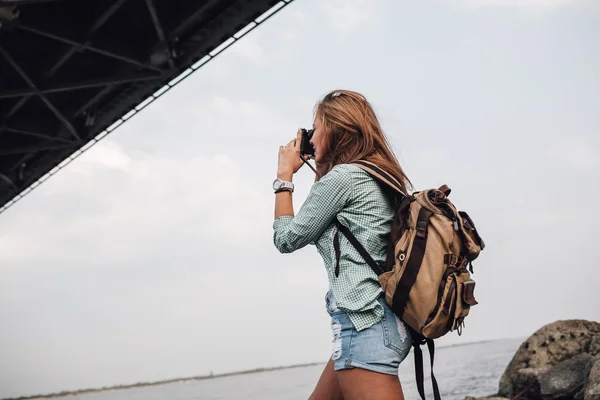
561	361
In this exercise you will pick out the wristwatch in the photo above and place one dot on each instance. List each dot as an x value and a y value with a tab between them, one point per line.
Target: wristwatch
279	186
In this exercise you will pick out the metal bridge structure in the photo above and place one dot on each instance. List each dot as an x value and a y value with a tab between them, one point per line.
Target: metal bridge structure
73	71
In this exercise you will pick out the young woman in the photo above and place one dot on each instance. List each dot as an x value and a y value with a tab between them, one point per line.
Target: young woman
370	342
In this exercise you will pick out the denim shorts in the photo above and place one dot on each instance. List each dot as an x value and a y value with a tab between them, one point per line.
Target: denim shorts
379	348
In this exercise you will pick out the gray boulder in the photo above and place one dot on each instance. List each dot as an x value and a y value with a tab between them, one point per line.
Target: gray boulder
528	382
594	348
550	345
566	378
592	387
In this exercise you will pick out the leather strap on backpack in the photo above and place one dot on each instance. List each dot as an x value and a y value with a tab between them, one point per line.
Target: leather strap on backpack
381	176
391	183
413	265
359	247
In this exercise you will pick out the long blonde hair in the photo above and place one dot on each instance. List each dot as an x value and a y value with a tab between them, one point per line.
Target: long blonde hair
352	133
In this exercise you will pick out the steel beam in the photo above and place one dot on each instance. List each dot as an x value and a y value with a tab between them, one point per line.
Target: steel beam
77	46
19	163
13	3
92	101
95	26
31	149
35	134
32	85
160	31
7	180
15	108
194	16
78	85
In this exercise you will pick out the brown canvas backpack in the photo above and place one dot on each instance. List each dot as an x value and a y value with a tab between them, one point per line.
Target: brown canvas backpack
427	275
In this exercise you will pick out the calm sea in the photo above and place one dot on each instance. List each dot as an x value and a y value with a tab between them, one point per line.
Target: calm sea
470	369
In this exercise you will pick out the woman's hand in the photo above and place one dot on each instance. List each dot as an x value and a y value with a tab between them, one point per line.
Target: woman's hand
289	158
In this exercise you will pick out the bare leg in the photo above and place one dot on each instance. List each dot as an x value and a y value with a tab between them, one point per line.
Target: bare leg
360	384
327	388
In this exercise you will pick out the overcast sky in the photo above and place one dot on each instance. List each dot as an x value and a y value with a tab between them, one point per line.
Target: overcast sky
151	256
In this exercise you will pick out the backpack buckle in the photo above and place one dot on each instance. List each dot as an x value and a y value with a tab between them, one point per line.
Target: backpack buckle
451	260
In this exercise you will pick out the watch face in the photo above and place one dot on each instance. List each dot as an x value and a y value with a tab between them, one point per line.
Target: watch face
277	183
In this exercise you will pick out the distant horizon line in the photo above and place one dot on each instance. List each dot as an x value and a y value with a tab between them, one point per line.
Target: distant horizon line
208	376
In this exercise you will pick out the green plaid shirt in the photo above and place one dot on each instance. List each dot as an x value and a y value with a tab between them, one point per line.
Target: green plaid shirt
356	199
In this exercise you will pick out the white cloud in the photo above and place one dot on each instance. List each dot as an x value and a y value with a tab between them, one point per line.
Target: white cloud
574	152
106	154
159	188
297	23
249	48
516	3
346	16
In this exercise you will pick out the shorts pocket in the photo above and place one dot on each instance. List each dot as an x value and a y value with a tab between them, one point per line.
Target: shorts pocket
395	334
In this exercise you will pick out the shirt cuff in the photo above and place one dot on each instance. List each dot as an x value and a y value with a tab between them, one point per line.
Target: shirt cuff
282	221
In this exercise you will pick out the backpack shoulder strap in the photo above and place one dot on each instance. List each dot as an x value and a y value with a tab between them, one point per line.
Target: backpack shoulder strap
381	176
388	181
359	247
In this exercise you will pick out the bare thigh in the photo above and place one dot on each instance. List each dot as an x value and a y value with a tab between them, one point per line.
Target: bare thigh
360	384
327	388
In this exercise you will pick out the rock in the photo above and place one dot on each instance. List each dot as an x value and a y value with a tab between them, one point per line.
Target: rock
547	347
592	387
486	398
590	365
527	382
566	378
594	348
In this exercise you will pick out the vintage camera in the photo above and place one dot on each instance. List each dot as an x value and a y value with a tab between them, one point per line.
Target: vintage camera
305	147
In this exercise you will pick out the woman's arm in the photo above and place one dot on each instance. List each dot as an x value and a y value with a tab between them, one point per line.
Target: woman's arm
326	199
283	200
289	162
